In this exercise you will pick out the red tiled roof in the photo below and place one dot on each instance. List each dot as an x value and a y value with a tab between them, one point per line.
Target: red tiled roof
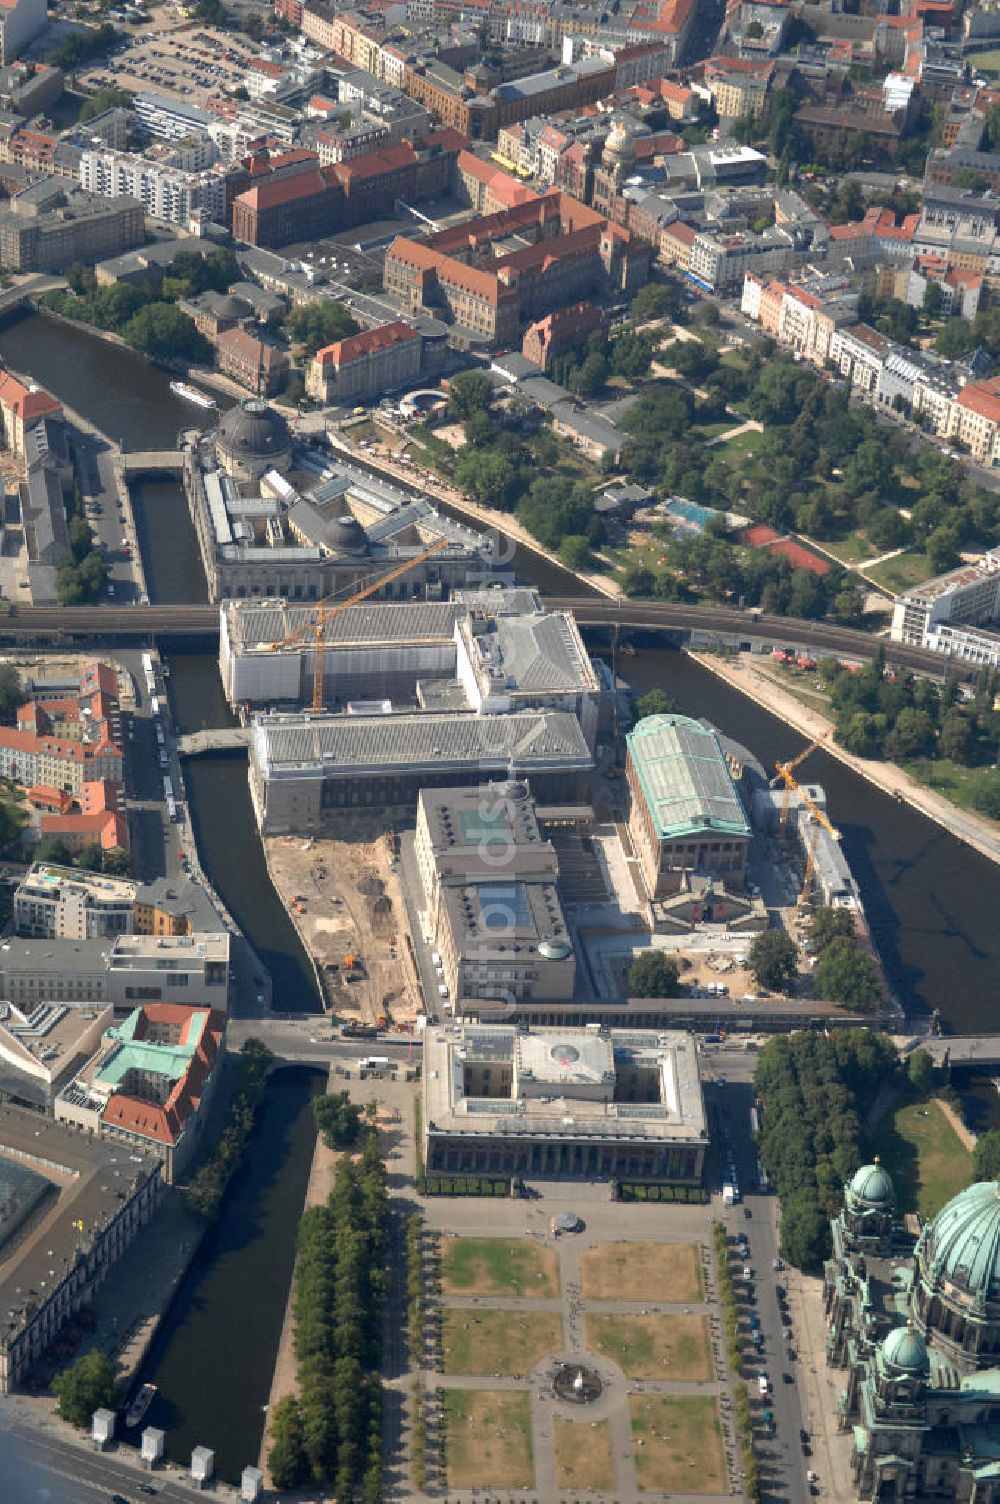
368	342
982	397
26	402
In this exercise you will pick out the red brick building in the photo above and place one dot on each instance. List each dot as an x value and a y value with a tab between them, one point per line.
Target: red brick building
560	331
318	201
252	362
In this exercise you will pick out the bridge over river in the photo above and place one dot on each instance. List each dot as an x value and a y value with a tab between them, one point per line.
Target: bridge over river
150	623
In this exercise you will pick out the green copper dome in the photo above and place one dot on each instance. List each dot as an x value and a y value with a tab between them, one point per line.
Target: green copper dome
873	1184
962	1244
905	1350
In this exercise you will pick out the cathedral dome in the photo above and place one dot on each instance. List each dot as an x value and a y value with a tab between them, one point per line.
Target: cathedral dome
962	1243
905	1351
872	1184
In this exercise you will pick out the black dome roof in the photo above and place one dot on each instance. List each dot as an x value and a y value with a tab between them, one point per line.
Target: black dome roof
253	431
346	535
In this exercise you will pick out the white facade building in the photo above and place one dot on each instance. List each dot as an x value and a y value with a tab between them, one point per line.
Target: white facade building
165	192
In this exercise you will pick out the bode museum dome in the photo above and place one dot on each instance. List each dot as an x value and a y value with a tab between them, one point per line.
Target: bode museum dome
252	438
916	1324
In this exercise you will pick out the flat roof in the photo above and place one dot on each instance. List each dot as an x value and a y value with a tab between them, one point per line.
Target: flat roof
677	1117
341	746
93	1177
255	626
684	778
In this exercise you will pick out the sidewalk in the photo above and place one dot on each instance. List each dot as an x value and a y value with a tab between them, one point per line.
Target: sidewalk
979	833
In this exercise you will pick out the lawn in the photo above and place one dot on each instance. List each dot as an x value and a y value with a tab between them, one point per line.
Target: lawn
654	1347
742	447
498	1266
955	782
583	1456
677	1444
641	1271
902	572
923	1154
498	1342
489	1439
713	430
854	549
988	62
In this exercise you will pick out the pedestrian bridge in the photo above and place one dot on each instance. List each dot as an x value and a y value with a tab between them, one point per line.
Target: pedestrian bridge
221	739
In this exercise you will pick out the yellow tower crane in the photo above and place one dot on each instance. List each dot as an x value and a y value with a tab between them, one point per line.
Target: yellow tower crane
791	784
784	775
327	609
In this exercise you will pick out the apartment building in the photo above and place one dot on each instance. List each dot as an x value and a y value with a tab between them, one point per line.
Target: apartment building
738	86
23	408
968	596
67	903
166	192
366	365
860	352
720	260
975	420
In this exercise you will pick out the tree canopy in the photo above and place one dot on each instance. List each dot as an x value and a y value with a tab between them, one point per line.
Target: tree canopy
772	959
653	974
315	325
87	1385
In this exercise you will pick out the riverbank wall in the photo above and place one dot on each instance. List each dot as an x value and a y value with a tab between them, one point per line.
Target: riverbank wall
740	674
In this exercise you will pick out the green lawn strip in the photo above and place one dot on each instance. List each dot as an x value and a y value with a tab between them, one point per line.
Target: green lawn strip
924	1155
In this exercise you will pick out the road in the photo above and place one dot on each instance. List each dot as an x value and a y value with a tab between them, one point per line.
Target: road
40	1461
107	520
783	1467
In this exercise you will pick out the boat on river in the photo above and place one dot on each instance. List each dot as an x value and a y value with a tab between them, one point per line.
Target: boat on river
141	1402
192	394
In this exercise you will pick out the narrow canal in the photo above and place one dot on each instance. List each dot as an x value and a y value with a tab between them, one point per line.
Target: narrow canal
213	1357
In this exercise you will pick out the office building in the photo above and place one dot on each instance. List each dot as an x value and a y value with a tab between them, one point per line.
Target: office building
150	1083
171	119
685	814
50	224
87	1201
577	1104
364	366
304	768
123	970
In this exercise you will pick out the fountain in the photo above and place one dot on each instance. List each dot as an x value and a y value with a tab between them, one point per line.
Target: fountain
577	1384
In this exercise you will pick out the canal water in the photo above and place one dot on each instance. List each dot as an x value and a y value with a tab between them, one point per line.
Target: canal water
213	1357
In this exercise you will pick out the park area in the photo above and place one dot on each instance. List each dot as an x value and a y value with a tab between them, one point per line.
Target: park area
641	1271
499	1266
678	1444
654	1347
506	1343
583	1456
488	1439
924	1155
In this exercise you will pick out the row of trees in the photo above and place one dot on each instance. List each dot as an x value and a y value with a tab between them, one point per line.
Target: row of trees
586	369
331	1435
83	575
816	1090
204	1191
